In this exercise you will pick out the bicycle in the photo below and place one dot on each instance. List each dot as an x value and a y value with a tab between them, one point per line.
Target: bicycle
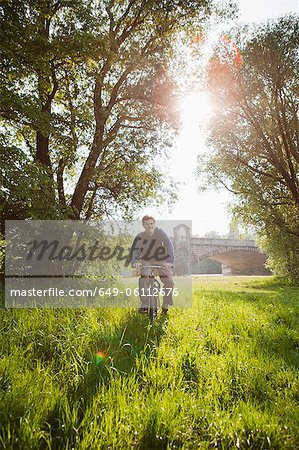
152	289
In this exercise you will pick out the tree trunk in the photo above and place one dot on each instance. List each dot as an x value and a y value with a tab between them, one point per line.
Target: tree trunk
83	182
42	149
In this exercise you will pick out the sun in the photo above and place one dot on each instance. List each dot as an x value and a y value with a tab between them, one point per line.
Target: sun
195	109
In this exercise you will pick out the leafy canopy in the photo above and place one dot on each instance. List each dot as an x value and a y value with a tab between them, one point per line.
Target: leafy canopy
86	103
255	139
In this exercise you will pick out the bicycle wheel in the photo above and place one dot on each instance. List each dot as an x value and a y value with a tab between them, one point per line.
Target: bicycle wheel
152	311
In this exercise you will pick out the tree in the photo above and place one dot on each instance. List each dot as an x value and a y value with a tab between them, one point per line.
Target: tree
255	138
33	57
86	102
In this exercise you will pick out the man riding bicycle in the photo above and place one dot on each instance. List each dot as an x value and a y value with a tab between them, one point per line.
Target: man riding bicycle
153	247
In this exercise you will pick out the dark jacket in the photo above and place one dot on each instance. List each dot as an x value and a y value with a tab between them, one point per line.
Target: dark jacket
157	248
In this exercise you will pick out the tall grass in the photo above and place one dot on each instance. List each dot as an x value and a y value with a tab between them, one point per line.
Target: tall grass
222	374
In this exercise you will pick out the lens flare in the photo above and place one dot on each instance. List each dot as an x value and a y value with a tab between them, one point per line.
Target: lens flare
99	357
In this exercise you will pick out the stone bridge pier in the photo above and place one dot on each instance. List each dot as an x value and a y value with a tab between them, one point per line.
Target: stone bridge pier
238	257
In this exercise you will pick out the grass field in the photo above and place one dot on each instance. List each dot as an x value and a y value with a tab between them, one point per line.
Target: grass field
222	374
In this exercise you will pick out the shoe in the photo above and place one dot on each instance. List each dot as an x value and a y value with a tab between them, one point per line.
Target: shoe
143	310
164	311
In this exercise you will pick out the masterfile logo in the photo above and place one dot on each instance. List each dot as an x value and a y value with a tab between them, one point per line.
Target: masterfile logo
68	248
70	264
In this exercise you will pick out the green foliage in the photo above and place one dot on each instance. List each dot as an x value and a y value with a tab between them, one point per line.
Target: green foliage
222	374
85	91
283	249
255	136
20	197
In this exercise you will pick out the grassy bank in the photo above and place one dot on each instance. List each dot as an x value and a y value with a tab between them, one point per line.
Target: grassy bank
222	374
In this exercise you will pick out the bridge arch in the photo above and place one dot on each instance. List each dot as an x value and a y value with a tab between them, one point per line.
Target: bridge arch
247	260
215	252
236	256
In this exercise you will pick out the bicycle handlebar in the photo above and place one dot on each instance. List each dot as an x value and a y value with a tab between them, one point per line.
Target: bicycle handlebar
151	267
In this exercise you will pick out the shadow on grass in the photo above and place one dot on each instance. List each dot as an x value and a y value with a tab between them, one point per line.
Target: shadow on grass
114	355
273	283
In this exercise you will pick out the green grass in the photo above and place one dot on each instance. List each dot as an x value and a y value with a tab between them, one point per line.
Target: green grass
222	374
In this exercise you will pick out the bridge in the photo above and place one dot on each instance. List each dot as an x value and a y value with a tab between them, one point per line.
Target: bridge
238	257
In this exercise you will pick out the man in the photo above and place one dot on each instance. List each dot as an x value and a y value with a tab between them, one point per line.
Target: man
153	247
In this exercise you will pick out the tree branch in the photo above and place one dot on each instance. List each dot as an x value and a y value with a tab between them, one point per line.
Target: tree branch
60	183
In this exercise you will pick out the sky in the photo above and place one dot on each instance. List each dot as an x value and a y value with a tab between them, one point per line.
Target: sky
259	10
207	210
